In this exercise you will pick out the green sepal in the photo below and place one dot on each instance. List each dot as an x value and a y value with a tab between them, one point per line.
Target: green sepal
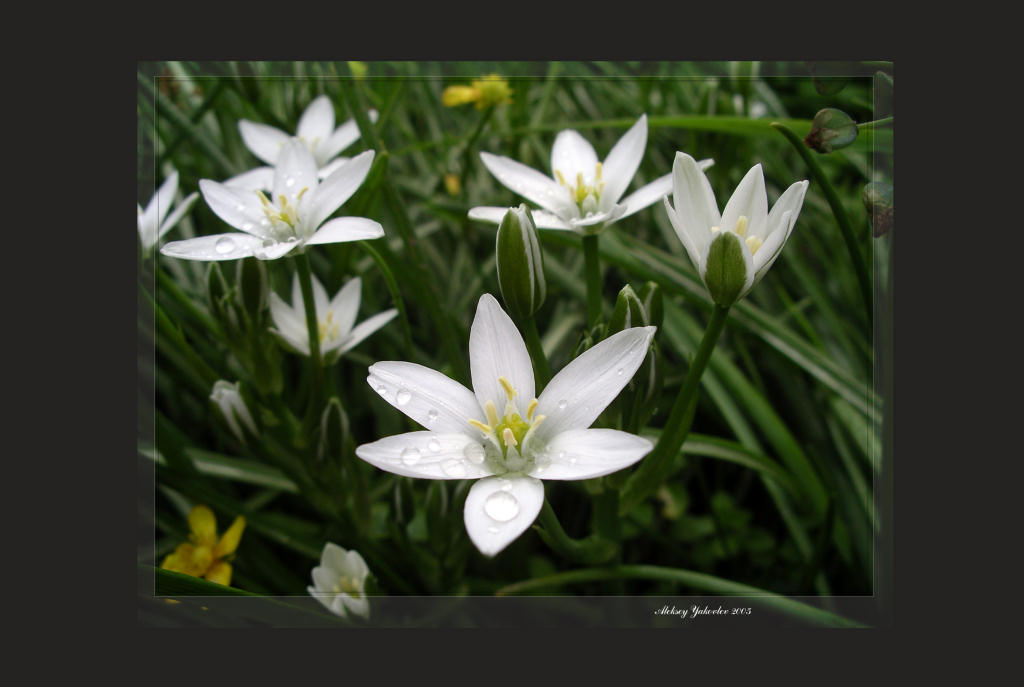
520	264
629	312
653	302
725	272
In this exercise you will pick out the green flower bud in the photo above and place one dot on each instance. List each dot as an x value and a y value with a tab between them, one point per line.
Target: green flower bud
831	129
628	312
335	433
520	264
725	271
877	199
653	301
251	277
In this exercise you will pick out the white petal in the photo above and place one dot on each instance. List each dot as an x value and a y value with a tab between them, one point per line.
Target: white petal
360	606
431	398
781	221
648	194
496	349
583	388
295	170
214	247
427	455
290	324
339	187
164	197
332	166
338	606
345	305
321	303
571	155
622	162
365	328
178	213
344	136
272	250
694	202
586	453
263	141
241	209
599	217
499	509
696	256
343	229
356	566
541	218
324	578
317	122
749	200
530	184
259	179
791	200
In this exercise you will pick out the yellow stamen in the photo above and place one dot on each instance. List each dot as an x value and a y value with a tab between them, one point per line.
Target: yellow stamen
753	243
507	386
598	175
263	198
532	407
304	189
492	413
741	225
481	426
561	179
509	438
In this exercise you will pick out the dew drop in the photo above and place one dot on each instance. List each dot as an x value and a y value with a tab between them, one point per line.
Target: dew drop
247	226
562	404
240	208
224	245
501	506
572	461
432	416
453	468
403	397
619	372
493	530
474	453
410	456
289	182
382	390
561	455
434	445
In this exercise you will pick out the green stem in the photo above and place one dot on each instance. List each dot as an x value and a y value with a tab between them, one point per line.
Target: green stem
884	121
656	466
592	270
541	369
694	580
312	328
169	285
396	295
594	549
859	266
467	158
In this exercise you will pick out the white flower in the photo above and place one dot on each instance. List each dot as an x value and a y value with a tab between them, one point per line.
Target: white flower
316	130
232	405
154	221
339	581
759	235
530	439
334	318
582	195
295	217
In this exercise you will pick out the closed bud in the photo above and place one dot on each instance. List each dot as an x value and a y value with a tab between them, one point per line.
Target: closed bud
232	406
520	264
831	129
725	270
877	199
628	312
335	432
653	301
251	278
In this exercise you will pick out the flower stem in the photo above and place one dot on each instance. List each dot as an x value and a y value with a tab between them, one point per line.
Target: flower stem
592	270
656	466
467	157
312	328
541	369
592	550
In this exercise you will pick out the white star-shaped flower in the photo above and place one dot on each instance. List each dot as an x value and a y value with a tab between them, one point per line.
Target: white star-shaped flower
294	216
500	433
582	194
335	319
154	221
316	130
339	581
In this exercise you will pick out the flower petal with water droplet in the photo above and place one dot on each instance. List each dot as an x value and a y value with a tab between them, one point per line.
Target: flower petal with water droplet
428	455
588	453
495	517
214	247
429	390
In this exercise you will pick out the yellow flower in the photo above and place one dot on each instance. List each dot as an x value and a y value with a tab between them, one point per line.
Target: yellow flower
486	91
204	555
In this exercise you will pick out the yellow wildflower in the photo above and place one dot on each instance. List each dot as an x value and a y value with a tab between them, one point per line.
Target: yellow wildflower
487	91
205	555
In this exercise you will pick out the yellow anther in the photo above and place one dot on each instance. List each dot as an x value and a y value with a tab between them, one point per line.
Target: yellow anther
304	189
507	386
530	408
715	230
481	426
283	199
579	179
741	225
597	177
753	243
263	198
509	438
561	179
492	413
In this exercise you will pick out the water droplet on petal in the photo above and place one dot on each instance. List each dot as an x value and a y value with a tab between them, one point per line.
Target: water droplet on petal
493	530
619	372
453	468
501	506
224	245
506	485
382	390
410	456
561	455
572	461
247	226
474	453
403	397
289	182
434	445
432	416
562	404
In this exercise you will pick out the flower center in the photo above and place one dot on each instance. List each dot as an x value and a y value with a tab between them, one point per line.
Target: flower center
508	434
328	328
585	196
753	242
283	215
347	585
